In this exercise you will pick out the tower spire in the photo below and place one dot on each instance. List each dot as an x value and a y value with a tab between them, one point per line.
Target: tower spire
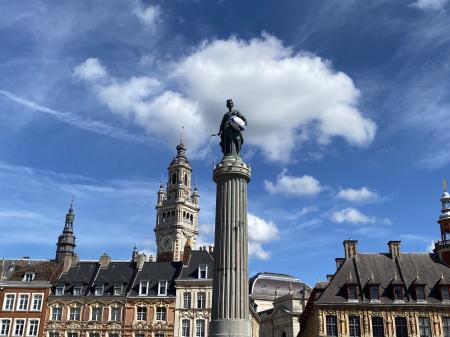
65	247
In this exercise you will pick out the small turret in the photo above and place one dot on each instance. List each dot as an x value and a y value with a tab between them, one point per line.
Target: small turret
195	196
443	247
161	195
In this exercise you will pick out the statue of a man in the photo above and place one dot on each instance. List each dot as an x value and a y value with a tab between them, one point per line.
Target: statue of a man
231	139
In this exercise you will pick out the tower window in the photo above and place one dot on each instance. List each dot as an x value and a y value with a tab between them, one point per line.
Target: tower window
185	179
192	218
174	178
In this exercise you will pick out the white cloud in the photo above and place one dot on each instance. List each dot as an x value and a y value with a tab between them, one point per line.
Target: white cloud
261	230
287	97
148	15
257	251
429	4
362	194
354	216
91	70
291	185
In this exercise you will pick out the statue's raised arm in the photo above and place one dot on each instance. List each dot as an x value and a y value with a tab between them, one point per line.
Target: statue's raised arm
231	138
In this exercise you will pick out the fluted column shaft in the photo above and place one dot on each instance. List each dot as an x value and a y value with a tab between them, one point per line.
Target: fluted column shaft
230	309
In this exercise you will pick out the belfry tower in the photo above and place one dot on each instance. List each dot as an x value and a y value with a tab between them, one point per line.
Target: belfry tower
443	247
177	210
65	248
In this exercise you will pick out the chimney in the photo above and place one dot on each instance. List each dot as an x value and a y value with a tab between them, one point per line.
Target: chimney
104	260
394	248
151	259
350	248
330	277
211	249
339	262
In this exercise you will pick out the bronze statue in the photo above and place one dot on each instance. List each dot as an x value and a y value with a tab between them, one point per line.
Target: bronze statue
231	138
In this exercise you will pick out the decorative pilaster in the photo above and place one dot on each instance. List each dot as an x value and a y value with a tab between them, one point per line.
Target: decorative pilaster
230	309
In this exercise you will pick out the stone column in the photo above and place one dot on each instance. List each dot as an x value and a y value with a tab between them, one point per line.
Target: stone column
230	307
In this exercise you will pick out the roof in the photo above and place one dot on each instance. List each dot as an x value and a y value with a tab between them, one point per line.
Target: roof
198	257
43	270
153	272
387	272
269	286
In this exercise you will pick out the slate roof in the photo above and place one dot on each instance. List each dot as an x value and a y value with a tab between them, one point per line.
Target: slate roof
153	272
117	273
82	274
198	257
387	271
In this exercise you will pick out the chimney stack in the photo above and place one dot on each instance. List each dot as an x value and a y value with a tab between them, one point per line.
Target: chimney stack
104	260
394	248
339	262
211	249
350	248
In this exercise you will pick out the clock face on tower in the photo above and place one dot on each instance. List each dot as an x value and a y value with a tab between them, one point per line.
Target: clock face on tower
166	243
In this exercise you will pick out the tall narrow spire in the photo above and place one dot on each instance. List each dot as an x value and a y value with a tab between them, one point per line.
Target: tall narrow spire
65	246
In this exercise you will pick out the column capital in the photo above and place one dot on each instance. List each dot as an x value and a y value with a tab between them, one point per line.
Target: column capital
232	166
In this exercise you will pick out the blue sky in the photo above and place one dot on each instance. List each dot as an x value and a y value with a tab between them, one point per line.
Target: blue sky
347	103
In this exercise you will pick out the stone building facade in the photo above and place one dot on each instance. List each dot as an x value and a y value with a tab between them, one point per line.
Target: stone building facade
390	294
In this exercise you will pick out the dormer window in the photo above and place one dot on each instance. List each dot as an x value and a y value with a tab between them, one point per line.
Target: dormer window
77	290
28	277
59	291
374	293
420	293
398	293
351	292
143	288
99	289
162	288
203	271
445	293
118	288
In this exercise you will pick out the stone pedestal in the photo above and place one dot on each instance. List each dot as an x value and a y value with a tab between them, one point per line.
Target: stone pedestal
230	308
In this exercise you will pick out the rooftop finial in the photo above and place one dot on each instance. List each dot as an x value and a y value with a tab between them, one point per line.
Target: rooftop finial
444	185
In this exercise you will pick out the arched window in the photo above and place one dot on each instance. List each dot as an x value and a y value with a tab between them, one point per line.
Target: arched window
185	179
184	215
173	213
174	178
192	218
164	215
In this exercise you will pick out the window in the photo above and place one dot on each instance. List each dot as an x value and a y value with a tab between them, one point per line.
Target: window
97	314
420	293
185	328
33	327
116	314
59	291
161	313
141	314
186	300
398	293
377	326
4	327
19	326
353	326
162	288
118	289
22	304
200	328
113	334
8	305
445	293
94	334
351	292
159	334
203	271
37	302
374	294
56	314
143	288
201	300
401	328
446	326
72	334
77	291
53	334
424	327
331	322
98	289
28	277
74	314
